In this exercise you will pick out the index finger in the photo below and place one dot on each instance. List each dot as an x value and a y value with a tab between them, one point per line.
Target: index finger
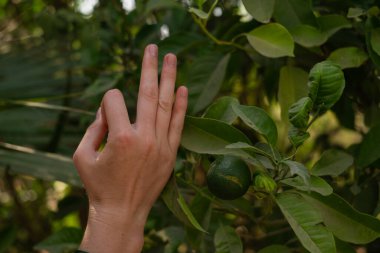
115	111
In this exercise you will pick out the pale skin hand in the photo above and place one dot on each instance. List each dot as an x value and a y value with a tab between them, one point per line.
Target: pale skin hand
124	179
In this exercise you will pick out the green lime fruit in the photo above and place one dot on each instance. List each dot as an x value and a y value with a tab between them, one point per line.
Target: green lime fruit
228	177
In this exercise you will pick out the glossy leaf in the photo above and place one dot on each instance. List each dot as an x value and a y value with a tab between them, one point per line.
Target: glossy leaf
261	10
355	12
371	25
299	112
306	223
330	24
369	150
308	36
222	110
292	13
326	85
227	241
317	184
272	40
206	78
340	218
332	162
178	206
67	239
210	136
348	57
299	169
257	119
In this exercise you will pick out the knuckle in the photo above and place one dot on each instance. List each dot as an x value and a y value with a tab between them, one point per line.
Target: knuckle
123	138
165	105
150	93
149	145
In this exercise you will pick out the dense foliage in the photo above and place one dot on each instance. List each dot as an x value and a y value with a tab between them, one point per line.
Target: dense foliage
291	87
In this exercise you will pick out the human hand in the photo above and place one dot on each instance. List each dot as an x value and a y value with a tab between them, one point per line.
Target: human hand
125	178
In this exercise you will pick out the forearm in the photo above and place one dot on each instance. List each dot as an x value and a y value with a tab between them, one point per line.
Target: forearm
111	233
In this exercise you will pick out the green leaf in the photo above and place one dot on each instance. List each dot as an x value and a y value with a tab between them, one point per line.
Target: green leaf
199	13
102	84
369	150
292	13
355	12
177	205
332	162
299	112
222	110
173	236
345	222
326	85
299	169
349	57
249	149
272	40
210	136
152	5
275	249
292	86
189	214
308	36
227	241
375	40
67	239
257	119
317	184
371	25
297	136
47	166
206	78
261	10
306	223
330	24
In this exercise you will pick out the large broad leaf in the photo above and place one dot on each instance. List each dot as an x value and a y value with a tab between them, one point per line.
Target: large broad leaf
299	112
292	86
349	57
306	223
291	13
261	10
299	169
317	184
271	40
257	119
332	162
326	83
330	24
371	27
308	36
222	110
227	241
38	164
178	206
210	136
369	150
345	222
205	79
67	239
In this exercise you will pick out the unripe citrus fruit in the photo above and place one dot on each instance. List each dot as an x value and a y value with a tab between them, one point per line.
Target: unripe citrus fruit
264	183
228	177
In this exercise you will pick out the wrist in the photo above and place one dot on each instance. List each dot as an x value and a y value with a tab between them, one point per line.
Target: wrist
113	231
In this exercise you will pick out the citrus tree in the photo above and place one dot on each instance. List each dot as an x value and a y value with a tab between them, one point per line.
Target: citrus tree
280	149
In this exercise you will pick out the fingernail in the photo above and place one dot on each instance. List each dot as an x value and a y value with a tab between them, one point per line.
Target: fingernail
153	50
171	60
183	91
